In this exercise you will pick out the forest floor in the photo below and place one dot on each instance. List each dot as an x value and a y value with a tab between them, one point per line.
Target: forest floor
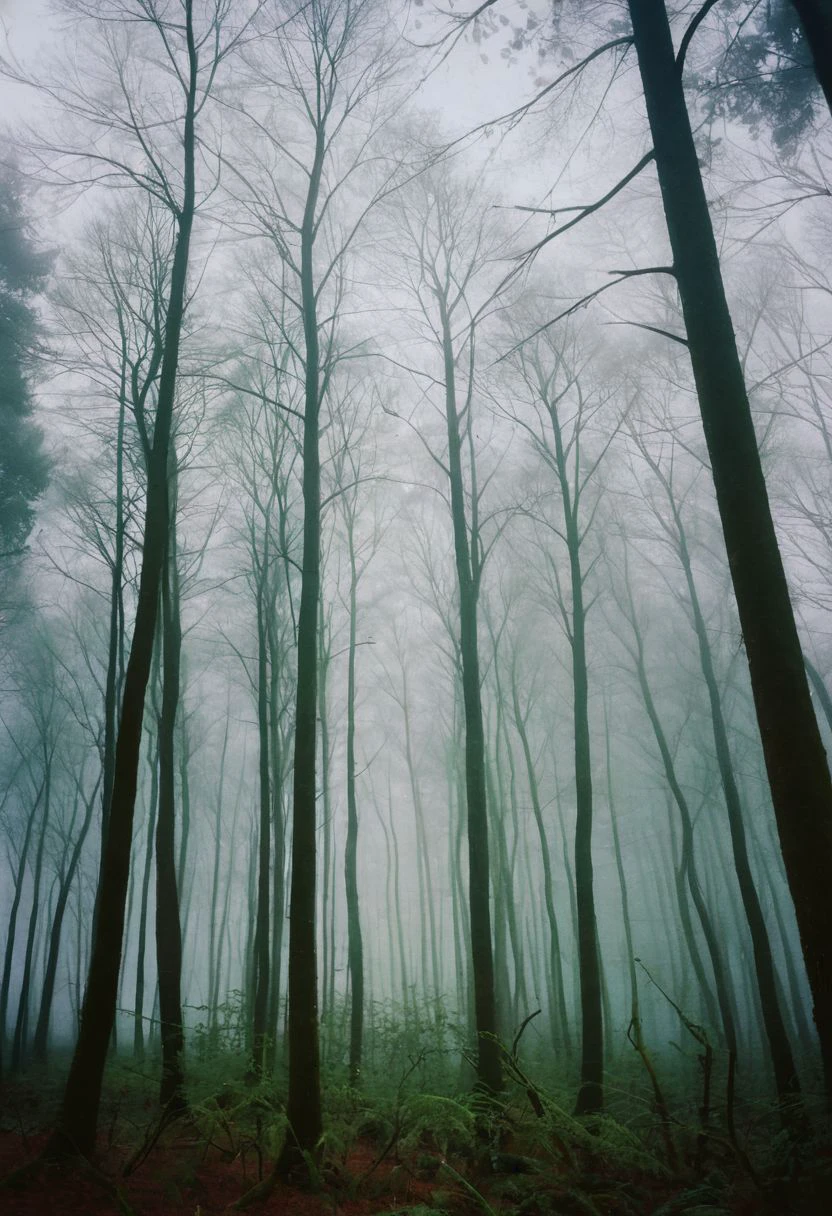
422	1155
180	1177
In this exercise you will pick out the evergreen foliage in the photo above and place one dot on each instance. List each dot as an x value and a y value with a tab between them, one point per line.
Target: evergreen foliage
765	79
23	463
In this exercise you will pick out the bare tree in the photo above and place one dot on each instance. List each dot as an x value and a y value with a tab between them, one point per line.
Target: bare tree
669	516
257	430
352	464
327	62
451	250
563	414
155	151
795	757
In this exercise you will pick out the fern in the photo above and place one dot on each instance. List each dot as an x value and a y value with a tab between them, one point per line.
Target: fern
443	1123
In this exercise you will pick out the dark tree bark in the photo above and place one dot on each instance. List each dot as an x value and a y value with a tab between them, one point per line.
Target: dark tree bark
590	1095
138	373
184	887
19	1038
469	572
796	763
328	830
115	640
355	945
449	248
248	935
11	935
168	928
303	1106
213	937
262	947
560	453
78	1119
279	834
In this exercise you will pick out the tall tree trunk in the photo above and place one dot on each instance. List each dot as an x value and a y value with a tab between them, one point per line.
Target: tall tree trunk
590	1098
224	935
328	832
19	1040
681	879
688	861
262	946
506	860
279	834
461	933
303	1106
785	1073
213	922
79	956
606	1002
183	886
11	933
665	861
250	933
558	1014
590	1094
112	685
570	887
805	1033
635	1017
798	773
168	928
355	947
41	1039
388	893
123	973
78	1119
489	1066
397	905
561	457
141	949
502	983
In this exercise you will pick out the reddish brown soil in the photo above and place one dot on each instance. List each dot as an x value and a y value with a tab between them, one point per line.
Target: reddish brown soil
179	1179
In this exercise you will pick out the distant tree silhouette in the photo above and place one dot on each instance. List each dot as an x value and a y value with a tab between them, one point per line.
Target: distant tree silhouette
23	463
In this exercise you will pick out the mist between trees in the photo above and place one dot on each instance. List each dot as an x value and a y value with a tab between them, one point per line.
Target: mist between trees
416	658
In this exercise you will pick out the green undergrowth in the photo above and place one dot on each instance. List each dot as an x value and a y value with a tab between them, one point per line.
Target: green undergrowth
416	1127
